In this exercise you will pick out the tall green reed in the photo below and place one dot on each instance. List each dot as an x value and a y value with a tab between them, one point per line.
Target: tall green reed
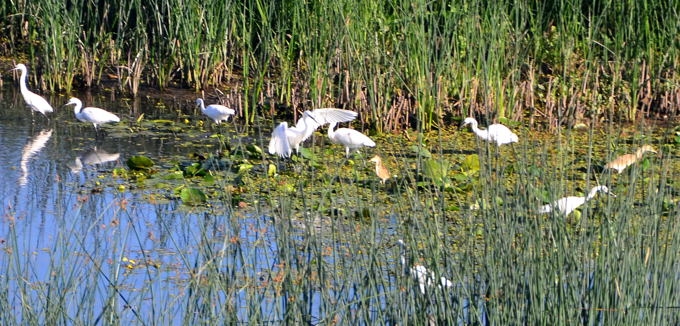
398	64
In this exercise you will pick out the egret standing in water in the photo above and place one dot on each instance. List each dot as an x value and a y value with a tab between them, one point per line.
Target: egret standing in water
95	116
566	205
216	112
350	138
622	162
285	139
425	277
495	133
380	170
34	101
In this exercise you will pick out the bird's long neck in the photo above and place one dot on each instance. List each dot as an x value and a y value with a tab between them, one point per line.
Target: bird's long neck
202	105
77	108
405	262
22	81
484	134
639	153
592	193
331	131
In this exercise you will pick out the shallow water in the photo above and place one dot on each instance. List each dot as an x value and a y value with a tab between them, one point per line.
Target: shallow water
67	228
56	220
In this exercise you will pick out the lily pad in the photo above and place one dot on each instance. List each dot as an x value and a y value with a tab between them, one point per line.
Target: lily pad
139	162
192	196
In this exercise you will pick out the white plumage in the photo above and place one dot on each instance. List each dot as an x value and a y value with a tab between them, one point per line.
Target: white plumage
33	147
93	157
34	101
95	116
285	139
495	133
425	277
566	205
216	112
350	138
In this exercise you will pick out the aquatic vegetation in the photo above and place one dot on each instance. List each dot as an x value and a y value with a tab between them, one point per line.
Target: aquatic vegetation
223	233
390	62
140	162
192	196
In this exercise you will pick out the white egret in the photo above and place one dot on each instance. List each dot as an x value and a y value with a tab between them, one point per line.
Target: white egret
350	138
495	133
425	277
380	170
285	139
566	205
95	116
622	162
216	112
34	101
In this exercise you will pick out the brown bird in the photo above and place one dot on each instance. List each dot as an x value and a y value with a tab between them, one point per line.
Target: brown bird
380	170
622	162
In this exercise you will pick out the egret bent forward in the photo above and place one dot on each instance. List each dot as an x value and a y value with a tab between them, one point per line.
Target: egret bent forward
95	116
216	112
285	139
495	133
350	138
566	205
34	101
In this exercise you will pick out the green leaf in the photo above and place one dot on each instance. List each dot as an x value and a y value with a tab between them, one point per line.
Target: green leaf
244	168
308	154
271	170
192	196
421	151
254	149
471	163
437	171
139	162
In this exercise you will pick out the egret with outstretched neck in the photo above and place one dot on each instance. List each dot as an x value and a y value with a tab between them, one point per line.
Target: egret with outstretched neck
34	101
95	116
216	112
285	139
622	162
495	133
349	138
566	205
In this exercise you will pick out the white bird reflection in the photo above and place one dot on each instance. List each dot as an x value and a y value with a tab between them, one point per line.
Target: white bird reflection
33	147
92	157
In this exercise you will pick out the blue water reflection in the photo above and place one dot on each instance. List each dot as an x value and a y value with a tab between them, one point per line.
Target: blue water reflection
69	235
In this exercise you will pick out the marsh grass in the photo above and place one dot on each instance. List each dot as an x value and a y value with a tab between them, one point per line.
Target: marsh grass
316	244
401	65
